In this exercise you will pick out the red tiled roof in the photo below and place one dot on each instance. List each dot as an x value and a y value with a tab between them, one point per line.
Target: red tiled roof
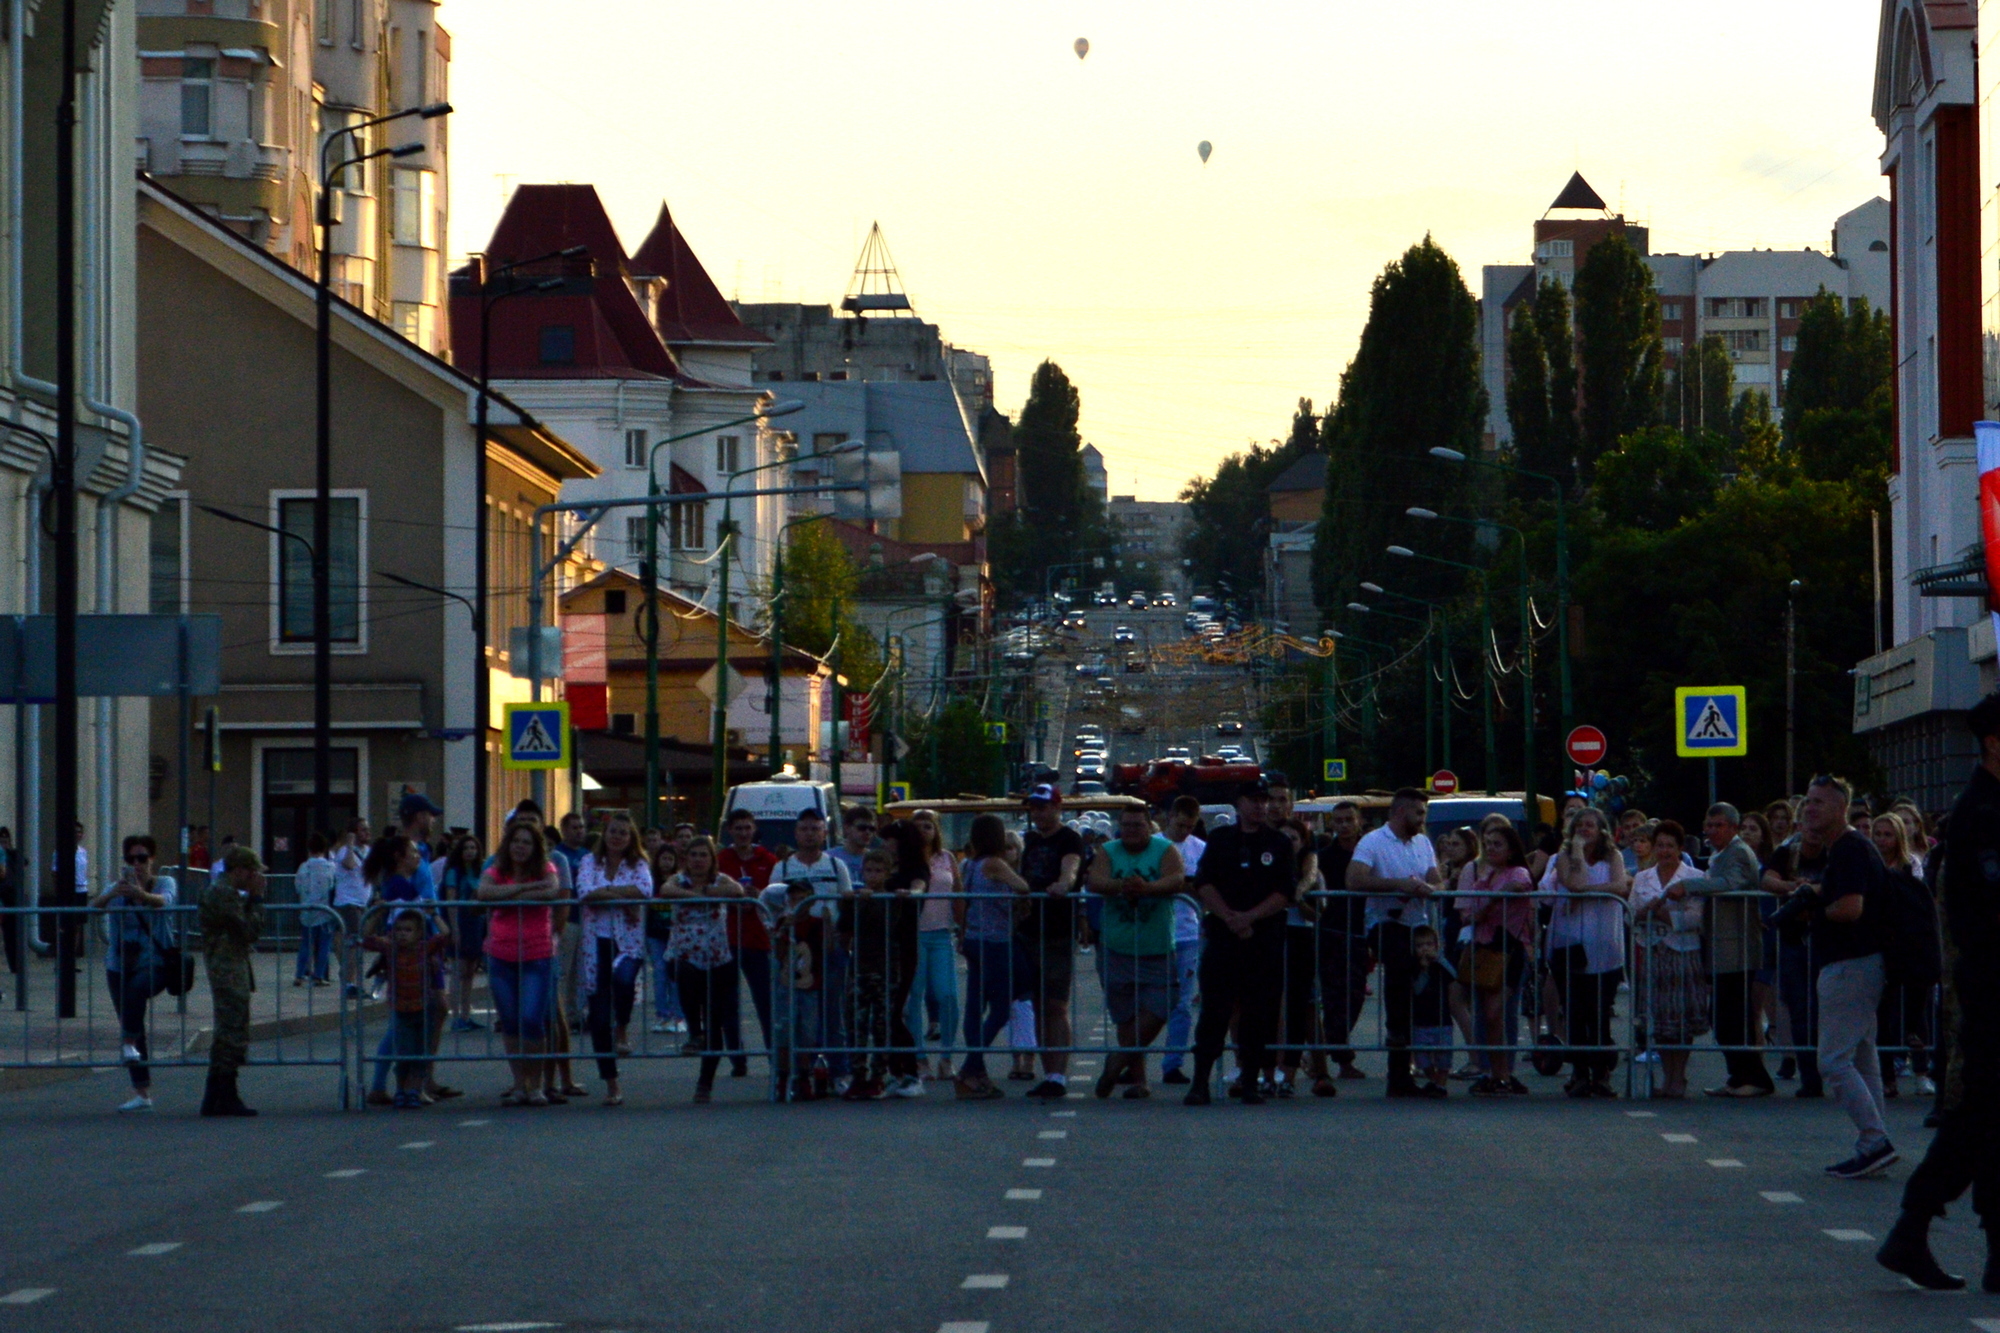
692	308
612	337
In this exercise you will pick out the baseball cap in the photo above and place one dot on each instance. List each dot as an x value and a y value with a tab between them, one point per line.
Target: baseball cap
417	803
1254	787
1042	791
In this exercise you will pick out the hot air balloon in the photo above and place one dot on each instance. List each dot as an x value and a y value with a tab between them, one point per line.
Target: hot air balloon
1082	47
1204	148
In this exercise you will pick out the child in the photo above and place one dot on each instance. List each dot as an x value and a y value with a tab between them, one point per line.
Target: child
1430	1012
799	943
865	919
415	994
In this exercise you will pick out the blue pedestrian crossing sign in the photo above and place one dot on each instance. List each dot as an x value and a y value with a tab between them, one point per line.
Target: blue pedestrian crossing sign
537	736
1333	770
1711	722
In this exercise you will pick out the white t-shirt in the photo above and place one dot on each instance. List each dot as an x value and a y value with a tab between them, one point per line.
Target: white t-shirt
349	889
315	881
1598	924
828	877
1187	917
1390	857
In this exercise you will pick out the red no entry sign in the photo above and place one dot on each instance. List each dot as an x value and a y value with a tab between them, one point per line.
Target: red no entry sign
1444	782
1586	746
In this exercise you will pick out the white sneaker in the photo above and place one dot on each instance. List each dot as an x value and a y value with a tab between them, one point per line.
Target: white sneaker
129	1054
906	1086
1926	1087
139	1103
660	1025
842	1084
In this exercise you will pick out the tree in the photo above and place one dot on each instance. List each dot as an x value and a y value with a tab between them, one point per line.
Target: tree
1552	321
1528	390
1060	517
820	575
1412	386
1618	327
1704	387
1838	415
950	754
1658	478
1227	512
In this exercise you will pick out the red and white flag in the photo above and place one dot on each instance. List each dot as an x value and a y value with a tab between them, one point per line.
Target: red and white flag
1986	435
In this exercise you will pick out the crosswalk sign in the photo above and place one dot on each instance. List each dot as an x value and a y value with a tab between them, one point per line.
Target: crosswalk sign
1711	722
537	736
996	732
1333	770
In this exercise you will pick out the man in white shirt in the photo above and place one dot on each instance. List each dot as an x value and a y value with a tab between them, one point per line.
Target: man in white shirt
830	882
1397	867
314	884
1181	818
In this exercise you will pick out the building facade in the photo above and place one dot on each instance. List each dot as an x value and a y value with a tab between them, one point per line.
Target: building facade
1150	534
237	101
1931	93
1295	498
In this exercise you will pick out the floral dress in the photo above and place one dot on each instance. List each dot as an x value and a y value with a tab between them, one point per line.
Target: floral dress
701	932
622	923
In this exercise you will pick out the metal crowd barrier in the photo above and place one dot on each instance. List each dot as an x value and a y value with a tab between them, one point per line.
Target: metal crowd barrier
304	1025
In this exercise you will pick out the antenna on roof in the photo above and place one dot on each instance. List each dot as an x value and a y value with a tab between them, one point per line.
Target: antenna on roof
875	285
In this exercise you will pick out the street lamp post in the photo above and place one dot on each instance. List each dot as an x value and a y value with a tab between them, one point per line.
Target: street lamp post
1562	563
1485	658
323	446
1791	676
1432	621
482	680
1528	791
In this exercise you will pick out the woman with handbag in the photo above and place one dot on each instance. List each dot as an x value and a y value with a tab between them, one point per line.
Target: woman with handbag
141	957
610	882
1498	907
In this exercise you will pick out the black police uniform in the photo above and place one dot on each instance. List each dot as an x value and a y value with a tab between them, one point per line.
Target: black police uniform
1245	868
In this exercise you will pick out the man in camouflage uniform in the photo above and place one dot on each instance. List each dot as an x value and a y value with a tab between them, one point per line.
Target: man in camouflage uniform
232	919
1966	1151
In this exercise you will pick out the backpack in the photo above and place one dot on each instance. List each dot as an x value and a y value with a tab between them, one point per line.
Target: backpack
1912	948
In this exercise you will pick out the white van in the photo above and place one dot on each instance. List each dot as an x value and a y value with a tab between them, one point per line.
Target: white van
777	804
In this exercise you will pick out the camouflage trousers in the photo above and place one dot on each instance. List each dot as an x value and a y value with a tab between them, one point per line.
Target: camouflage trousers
230	1046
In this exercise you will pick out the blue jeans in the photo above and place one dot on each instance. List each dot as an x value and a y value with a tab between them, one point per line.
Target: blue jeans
315	951
936	980
666	1000
989	990
1180	1025
520	996
797	1017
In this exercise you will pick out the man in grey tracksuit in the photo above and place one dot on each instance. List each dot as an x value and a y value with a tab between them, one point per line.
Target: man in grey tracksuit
1736	947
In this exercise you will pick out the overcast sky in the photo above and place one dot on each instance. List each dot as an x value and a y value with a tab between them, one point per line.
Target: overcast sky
1041	206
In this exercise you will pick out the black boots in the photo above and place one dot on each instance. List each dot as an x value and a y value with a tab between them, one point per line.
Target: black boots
220	1097
1908	1252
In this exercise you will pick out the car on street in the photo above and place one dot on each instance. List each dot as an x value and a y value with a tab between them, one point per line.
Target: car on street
1227	725
1076	620
1103	598
1094	769
1167	600
1124	634
1178	753
1082	787
1138	601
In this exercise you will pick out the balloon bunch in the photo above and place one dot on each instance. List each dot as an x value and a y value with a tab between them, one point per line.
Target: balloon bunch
1603	790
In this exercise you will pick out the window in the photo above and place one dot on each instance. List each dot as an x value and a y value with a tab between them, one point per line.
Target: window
423	68
1670	310
1789	343
416	321
295	582
167	549
624	724
558	344
686	526
1789	309
1756	307
1671	346
728	454
197	98
1738	307
614	601
357	25
1742	340
414	194
325	20
635	539
635	447
826	443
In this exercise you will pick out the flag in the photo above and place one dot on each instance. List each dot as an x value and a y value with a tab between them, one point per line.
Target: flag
1987	436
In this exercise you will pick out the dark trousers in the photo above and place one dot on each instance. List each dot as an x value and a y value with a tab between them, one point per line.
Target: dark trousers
1301	968
756	964
1907	1017
611	1005
1965	1152
132	990
1735	1026
989	994
708	998
1797	988
1399	968
10	924
1587	999
1236	972
878	1020
1343	989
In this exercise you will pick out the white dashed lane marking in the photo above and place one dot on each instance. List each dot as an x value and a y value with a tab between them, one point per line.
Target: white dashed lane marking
473	1124
1723	1163
154	1250
418	1146
1038	1161
1847	1234
1062	1115
1680	1138
983	1282
1987	1325
349	1174
1006	1233
1024	1194
501	1328
26	1295
1780	1196
1053	1134
1643	1115
964	1326
262	1206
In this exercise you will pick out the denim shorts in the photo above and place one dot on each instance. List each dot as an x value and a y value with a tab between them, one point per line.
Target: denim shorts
1138	982
521	996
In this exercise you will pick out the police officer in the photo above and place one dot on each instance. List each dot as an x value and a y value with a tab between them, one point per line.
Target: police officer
1248	877
1966	1150
232	919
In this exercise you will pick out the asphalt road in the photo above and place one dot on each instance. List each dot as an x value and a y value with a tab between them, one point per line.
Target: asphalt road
1358	1213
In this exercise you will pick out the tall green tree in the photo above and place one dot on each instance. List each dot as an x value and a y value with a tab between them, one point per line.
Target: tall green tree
1528	390
1704	387
1412	386
1552	320
1227	516
821	586
1838	413
1060	517
1620	358
950	754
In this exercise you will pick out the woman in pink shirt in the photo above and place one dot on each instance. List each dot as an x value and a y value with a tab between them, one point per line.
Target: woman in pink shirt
1501	913
521	885
937	962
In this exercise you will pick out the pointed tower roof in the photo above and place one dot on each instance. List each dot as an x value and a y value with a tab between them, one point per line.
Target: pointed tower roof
876	286
692	308
1578	194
